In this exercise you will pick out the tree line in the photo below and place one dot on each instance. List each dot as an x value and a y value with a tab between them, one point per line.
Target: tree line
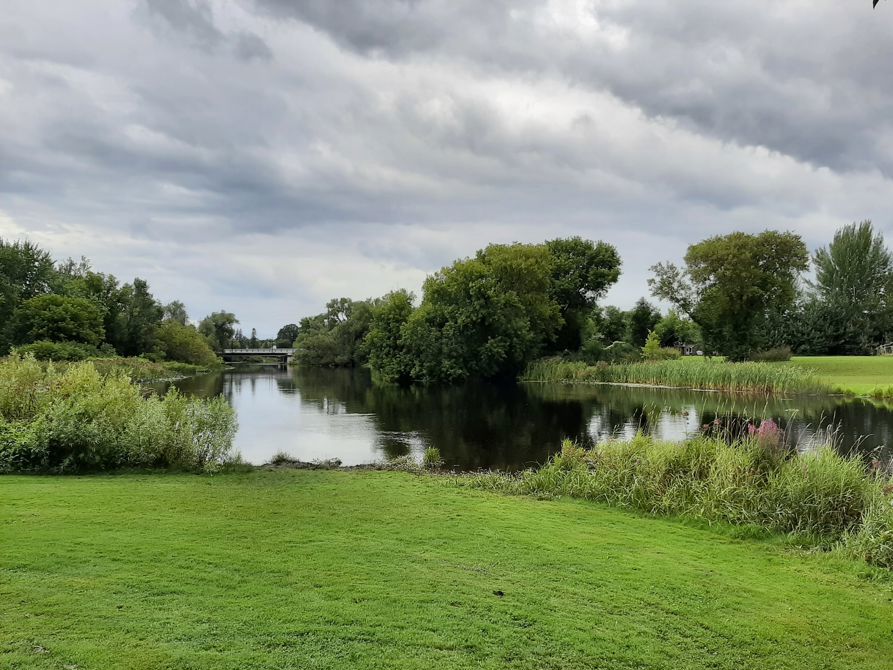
742	296
69	311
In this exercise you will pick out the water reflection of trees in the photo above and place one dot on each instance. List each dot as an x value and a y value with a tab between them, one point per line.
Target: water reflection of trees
508	426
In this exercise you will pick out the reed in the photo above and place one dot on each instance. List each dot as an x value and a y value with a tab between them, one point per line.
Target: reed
703	374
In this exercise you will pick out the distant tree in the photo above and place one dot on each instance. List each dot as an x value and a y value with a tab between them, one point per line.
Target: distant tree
252	343
176	311
219	329
58	318
140	317
285	338
335	337
612	324
730	283
642	319
101	289
179	342
26	271
582	271
384	342
854	279
674	329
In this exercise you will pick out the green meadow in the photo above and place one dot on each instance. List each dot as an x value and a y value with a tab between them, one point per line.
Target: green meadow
294	569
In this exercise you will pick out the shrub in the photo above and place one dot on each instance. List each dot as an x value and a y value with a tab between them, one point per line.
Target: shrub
776	354
44	350
76	419
431	459
872	541
184	343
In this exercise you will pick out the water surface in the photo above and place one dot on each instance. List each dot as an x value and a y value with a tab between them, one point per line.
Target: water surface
320	414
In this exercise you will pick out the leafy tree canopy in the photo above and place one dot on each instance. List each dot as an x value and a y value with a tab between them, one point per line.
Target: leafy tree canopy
58	318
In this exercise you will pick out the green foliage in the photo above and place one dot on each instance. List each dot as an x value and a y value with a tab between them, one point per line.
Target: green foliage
384	342
823	497
44	350
694	373
219	329
673	329
58	318
582	271
139	319
175	311
178	342
76	419
774	355
642	320
26	271
483	317
336	337
652	351
731	283
854	279
285	338
431	459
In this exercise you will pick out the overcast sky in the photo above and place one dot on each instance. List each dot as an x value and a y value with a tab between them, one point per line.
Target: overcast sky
262	156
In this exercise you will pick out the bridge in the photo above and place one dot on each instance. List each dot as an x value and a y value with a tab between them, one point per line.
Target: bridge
282	356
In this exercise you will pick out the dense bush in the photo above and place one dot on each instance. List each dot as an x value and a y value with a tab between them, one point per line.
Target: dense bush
823	497
184	344
58	318
44	350
76	419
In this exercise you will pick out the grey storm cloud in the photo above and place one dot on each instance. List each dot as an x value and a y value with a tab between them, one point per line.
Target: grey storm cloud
301	150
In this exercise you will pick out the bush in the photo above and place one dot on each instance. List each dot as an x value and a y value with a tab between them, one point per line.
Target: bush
774	355
44	350
76	419
184	344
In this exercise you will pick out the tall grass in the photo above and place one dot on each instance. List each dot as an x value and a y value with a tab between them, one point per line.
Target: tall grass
750	377
824	498
74	418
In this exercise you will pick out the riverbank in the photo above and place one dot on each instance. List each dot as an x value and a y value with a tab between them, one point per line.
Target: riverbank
868	376
291	569
860	376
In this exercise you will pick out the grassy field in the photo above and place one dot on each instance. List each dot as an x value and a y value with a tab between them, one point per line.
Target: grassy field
860	375
386	570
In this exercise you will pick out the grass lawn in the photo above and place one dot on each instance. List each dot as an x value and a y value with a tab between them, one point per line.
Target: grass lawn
386	570
856	374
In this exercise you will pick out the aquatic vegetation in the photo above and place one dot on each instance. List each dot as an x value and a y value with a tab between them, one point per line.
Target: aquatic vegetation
693	373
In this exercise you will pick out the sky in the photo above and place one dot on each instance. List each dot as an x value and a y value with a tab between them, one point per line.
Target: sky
263	156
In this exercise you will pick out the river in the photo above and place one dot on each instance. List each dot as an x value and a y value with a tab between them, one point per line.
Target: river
321	414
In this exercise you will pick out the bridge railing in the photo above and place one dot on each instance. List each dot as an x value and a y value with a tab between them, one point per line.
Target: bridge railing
259	352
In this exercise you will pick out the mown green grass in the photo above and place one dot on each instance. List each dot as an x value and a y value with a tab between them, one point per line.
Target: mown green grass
859	375
388	570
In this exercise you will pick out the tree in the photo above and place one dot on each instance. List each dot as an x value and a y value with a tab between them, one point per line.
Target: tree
26	271
335	337
58	318
582	271
611	324
140	317
642	319
730	283
384	342
175	311
252	343
219	329
673	329
854	278
179	342
483	317
285	338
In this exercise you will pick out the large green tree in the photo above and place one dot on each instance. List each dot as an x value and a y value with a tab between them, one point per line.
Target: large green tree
730	283
26	271
140	316
58	318
335	337
179	342
853	278
484	317
219	328
642	319
384	343
582	271
285	338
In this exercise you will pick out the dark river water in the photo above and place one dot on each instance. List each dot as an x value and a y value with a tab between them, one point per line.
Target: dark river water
320	414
